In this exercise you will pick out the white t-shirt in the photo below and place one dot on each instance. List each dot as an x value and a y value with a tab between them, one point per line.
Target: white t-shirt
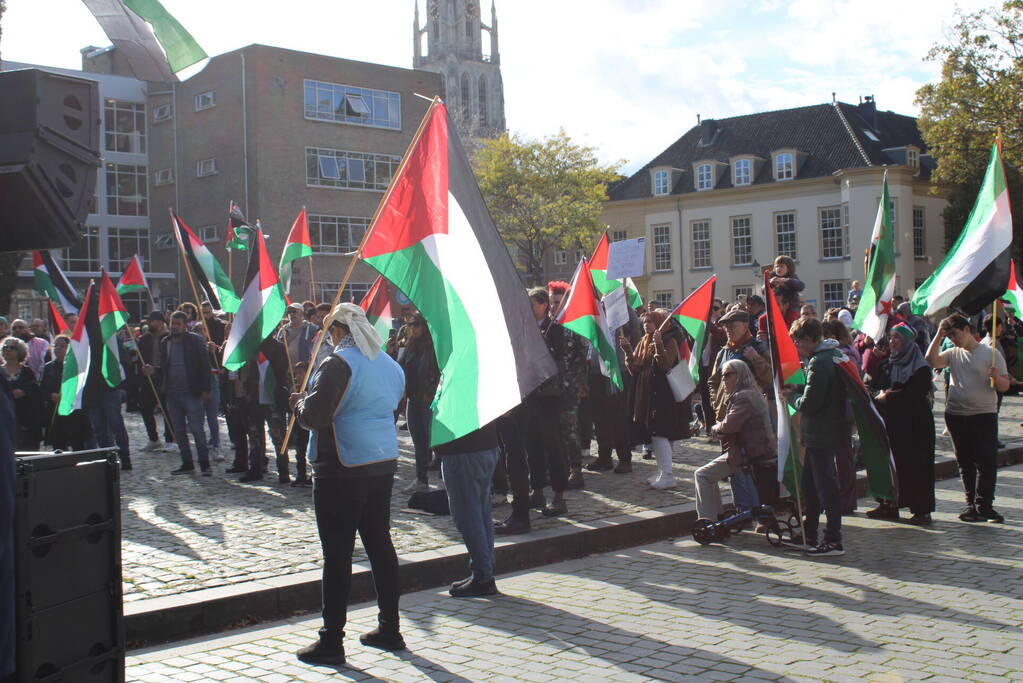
969	389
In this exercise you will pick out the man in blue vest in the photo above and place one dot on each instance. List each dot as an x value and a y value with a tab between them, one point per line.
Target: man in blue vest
353	448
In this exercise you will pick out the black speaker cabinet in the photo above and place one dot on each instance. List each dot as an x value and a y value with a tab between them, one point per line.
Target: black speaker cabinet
69	620
49	153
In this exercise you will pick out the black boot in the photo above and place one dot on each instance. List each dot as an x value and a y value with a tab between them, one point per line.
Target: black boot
383	640
328	649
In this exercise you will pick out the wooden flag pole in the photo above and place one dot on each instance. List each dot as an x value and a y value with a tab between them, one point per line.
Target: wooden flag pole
312	282
156	395
355	258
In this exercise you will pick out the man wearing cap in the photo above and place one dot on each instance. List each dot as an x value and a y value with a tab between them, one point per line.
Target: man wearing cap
349	409
743	346
149	351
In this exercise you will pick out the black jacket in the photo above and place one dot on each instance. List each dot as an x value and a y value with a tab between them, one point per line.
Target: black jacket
197	363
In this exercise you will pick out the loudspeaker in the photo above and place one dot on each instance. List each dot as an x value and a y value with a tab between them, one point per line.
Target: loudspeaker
69	614
49	153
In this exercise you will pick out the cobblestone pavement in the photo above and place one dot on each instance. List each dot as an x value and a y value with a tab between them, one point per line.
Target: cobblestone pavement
904	604
184	533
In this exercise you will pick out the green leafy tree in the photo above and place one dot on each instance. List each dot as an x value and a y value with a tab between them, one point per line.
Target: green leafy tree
543	195
980	92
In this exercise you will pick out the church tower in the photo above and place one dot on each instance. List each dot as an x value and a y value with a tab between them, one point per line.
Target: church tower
473	89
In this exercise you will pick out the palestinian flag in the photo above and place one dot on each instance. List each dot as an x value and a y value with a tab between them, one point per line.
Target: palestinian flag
77	361
377	304
580	313
876	302
1014	294
692	314
976	269
51	282
262	307
604	286
238	229
683	373
435	241
133	279
208	274
112	317
298	245
57	324
787	370
875	450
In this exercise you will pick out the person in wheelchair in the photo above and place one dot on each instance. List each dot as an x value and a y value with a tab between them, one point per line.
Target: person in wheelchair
746	439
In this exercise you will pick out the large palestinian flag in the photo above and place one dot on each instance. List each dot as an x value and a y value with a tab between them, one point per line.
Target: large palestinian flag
580	313
262	307
377	305
112	317
298	245
77	360
693	314
787	370
874	446
208	274
435	241
51	282
604	286
876	303
976	269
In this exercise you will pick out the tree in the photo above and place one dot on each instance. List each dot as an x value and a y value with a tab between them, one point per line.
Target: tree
980	92
543	194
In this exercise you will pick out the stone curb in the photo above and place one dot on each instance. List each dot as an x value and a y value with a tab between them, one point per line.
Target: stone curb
176	617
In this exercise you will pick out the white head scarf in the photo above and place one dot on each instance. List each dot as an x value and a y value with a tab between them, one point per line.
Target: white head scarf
366	338
846	318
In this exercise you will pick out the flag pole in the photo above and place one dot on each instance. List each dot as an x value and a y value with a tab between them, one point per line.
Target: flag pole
229	237
156	395
312	281
287	351
355	258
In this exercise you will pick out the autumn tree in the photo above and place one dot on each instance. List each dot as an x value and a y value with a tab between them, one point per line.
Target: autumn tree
980	92
543	194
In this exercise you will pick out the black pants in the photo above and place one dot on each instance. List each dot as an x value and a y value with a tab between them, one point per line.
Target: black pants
344	506
510	429
975	439
147	408
299	441
611	419
258	418
238	431
544	443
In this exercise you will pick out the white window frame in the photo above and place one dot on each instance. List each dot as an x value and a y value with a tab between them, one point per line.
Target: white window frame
778	235
741	289
827	237
560	257
661	182
705	177
913	157
163	112
163	242
700	245
209	233
746	178
839	286
919	233
205	100
349	229
206	167
618	236
663	298
661	244
163	176
784	166
739	223
350	104
349	166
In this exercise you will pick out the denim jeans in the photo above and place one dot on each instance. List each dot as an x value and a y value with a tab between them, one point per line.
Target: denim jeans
108	422
467	478
185	408
212	409
418	417
820	488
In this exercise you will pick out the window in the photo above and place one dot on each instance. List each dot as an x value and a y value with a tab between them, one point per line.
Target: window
785	234
833	242
336	234
783	168
560	257
205	100
833	294
741	172
579	255
742	290
164	242
742	241
124	126
124	244
660	182
164	176
466	96
618	235
700	231
482	95
162	112
918	233
663	299
205	167
913	157
351	104
704	177
662	246
84	255
350	170
950	235
127	190
893	213
209	233
354	291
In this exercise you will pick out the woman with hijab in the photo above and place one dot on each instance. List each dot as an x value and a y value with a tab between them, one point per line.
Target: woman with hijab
906	406
657	418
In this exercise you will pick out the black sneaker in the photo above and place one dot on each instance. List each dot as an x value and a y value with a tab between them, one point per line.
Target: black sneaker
251	477
236	469
383	641
883	511
920	519
184	469
555	509
827	549
987	512
537	501
126	464
328	650
970	514
207	472
474	589
575	480
512	527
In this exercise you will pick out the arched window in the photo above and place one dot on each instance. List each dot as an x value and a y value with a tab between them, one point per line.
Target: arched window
483	100
468	27
466	96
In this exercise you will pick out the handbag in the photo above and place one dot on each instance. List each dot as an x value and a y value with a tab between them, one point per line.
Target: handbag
681	382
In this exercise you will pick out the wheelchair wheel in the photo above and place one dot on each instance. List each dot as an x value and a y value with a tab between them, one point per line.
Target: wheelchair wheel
777	533
704	531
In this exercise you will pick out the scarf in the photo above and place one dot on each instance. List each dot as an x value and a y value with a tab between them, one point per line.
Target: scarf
362	334
903	364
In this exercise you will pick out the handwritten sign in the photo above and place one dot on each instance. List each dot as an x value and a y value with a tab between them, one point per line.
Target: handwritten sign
625	258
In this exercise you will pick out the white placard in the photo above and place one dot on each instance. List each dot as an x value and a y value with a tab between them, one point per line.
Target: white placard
625	258
616	310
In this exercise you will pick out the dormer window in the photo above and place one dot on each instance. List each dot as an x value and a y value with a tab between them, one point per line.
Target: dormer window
704	177
912	157
661	186
742	172
784	166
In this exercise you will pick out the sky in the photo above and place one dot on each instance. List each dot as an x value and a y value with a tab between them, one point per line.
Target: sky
627	77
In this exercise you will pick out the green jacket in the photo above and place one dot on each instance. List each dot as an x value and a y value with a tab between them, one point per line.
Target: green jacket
822	404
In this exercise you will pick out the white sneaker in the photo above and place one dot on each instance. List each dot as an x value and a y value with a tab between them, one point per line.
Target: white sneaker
663	482
170	448
498	499
416	486
216	455
152	446
652	478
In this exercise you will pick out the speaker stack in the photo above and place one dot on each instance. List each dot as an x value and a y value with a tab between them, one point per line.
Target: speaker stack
49	153
69	614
